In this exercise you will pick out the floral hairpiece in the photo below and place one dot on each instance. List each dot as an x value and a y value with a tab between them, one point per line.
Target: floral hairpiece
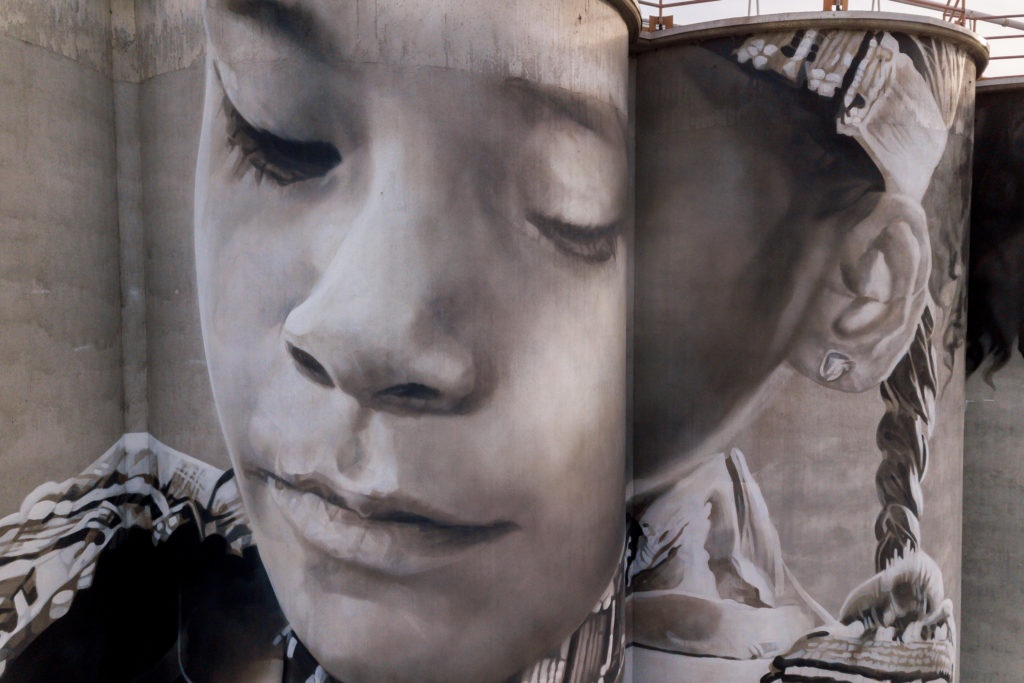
900	116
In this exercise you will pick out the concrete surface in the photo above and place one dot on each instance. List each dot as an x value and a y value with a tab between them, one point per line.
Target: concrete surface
132	255
60	389
993	579
79	30
813	452
99	124
181	410
99	121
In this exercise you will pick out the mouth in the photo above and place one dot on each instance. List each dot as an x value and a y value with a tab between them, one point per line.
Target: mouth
388	534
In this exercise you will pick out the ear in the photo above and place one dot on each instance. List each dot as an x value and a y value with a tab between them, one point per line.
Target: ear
863	319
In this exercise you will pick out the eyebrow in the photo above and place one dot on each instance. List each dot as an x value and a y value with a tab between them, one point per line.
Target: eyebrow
288	19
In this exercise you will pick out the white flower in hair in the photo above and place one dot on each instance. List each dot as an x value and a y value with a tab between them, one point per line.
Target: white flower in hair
889	107
891	111
784	53
838	50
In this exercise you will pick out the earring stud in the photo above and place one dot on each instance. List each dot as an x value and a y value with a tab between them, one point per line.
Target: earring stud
834	365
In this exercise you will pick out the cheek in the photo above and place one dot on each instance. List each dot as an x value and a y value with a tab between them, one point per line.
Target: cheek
548	441
254	262
547	451
557	421
551	329
714	260
258	245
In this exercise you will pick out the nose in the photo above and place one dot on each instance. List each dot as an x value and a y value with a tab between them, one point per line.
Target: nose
387	320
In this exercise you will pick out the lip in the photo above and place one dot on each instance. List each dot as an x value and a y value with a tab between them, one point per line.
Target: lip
387	534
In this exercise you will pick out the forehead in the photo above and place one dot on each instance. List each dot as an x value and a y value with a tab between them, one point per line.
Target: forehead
578	45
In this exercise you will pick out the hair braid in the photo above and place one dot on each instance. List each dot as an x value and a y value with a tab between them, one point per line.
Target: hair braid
903	435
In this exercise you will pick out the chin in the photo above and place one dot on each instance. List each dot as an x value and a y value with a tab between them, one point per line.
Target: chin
366	627
360	642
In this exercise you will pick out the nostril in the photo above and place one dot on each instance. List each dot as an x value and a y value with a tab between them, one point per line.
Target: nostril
310	367
410	392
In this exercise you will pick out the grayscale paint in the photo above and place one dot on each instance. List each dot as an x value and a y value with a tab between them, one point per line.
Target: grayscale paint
801	215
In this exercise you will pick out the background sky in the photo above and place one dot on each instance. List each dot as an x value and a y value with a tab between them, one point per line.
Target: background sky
720	9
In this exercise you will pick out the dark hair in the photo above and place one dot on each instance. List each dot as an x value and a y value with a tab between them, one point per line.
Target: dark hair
996	272
909	393
903	437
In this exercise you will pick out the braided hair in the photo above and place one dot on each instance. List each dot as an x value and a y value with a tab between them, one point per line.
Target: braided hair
909	392
903	437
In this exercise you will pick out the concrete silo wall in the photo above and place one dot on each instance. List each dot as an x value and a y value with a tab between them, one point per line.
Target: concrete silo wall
993	598
801	214
99	133
60	350
169	84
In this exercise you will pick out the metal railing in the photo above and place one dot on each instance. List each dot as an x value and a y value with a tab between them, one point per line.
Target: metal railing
1005	32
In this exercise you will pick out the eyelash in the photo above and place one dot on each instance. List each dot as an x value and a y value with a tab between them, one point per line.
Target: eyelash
283	161
593	244
291	161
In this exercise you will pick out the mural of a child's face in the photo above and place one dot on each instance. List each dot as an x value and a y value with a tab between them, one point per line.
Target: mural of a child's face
412	285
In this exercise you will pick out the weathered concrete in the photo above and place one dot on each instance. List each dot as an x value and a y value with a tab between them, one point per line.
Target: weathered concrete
158	57
993	552
60	391
994	447
76	29
111	91
170	36
154	37
132	255
181	410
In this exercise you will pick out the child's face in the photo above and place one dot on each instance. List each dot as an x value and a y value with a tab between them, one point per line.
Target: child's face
415	326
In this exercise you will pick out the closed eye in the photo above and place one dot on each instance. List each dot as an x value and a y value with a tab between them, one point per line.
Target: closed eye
593	244
283	161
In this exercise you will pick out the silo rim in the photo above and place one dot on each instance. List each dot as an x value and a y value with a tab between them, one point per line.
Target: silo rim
999	84
974	44
630	14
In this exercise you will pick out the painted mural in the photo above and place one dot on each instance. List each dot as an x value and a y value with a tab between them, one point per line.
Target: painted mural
411	263
417	245
997	229
410	238
802	203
